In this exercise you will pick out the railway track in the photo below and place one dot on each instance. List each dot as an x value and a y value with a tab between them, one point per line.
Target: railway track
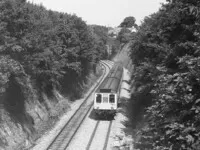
64	137
102	126
94	137
94	133
102	129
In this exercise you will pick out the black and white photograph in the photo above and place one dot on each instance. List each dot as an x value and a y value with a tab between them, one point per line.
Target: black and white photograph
99	74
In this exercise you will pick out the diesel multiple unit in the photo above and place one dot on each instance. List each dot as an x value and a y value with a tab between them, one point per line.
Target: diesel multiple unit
106	96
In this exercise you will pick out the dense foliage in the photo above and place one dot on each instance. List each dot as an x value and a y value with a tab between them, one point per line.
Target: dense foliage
56	50
43	54
128	22
124	35
107	46
127	27
166	54
100	33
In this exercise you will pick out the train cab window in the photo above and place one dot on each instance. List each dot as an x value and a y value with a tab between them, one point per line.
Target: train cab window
98	98
112	98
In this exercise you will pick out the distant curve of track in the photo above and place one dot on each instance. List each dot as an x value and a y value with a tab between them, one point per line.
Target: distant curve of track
64	137
97	125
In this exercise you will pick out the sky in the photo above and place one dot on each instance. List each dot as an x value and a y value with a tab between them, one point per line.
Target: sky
104	12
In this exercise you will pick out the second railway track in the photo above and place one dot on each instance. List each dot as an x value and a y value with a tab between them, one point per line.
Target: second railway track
103	142
64	137
98	128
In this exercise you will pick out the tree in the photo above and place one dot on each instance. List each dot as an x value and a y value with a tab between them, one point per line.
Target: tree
128	22
165	52
49	45
124	35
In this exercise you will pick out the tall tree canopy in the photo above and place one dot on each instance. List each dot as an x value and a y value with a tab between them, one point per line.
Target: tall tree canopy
166	55
128	22
48	45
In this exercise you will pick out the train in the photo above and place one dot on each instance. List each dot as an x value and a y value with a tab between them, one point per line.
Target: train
106	97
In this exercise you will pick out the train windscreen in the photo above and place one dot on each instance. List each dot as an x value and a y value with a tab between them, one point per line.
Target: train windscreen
98	98
112	98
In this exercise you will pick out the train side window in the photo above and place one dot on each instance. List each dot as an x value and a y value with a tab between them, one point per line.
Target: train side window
98	98
111	98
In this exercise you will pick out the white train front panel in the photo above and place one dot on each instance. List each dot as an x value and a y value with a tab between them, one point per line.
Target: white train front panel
105	101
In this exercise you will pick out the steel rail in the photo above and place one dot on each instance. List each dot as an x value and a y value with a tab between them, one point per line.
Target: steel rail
76	112
92	136
96	126
90	107
107	136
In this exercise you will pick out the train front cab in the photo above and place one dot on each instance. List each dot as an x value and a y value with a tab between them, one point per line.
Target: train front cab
105	103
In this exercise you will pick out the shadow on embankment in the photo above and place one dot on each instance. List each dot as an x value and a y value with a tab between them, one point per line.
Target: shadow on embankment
134	110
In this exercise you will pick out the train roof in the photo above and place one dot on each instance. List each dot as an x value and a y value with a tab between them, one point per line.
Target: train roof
112	82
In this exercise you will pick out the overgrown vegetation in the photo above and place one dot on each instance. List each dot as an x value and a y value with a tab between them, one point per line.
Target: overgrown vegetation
49	46
43	51
127	25
128	22
166	54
